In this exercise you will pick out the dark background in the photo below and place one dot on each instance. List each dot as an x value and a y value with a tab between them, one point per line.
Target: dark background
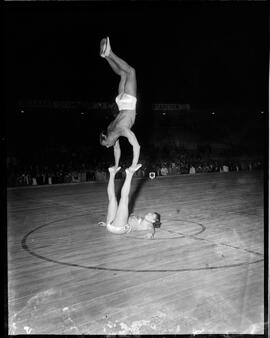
213	56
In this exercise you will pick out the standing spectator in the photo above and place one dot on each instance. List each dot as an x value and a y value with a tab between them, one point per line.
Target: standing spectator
192	170
164	170
225	168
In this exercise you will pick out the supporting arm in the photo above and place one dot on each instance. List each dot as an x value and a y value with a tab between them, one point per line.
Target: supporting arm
117	153
135	144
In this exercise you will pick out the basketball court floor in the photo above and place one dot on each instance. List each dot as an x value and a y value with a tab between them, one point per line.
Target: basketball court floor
202	273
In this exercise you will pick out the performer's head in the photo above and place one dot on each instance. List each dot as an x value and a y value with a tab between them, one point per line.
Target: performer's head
154	218
107	140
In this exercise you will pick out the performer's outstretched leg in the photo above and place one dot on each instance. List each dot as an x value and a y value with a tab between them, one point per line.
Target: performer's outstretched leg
128	83
112	206
122	213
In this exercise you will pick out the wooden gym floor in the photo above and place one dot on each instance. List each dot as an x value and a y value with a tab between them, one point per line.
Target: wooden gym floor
203	272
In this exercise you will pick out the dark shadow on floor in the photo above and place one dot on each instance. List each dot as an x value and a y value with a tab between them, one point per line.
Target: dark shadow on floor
135	194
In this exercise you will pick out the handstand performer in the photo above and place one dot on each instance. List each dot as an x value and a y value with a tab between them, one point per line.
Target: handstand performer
126	102
118	219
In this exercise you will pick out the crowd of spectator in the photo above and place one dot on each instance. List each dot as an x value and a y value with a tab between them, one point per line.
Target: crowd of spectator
43	174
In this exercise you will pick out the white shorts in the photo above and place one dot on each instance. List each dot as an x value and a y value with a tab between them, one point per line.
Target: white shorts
126	102
118	230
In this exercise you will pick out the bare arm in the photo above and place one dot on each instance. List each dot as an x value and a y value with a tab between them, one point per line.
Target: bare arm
135	144
149	233
117	153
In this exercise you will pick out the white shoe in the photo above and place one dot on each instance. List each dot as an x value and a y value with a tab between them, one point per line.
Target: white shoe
108	47
103	45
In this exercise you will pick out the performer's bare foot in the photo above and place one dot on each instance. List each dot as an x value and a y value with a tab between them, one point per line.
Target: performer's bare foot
132	169
114	170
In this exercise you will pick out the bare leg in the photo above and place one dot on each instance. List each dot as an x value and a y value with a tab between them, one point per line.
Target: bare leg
128	83
120	63
118	71
112	206
128	74
121	217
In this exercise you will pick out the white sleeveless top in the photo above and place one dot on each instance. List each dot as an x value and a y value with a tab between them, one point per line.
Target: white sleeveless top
126	102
